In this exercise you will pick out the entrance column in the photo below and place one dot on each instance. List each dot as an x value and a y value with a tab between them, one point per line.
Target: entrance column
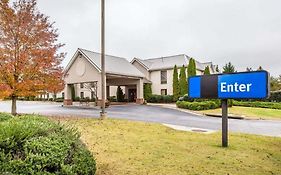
67	95
126	92
140	99
107	92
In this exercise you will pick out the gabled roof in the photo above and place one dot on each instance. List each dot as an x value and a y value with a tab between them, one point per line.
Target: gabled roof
169	62
113	65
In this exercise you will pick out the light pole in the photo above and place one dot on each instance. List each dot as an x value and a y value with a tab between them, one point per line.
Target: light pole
103	77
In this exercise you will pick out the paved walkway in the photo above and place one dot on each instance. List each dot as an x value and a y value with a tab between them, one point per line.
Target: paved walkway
149	113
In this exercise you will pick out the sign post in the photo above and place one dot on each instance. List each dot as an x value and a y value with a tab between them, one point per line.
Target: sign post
242	85
224	107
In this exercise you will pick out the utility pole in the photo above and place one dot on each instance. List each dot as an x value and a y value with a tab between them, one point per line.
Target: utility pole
103	76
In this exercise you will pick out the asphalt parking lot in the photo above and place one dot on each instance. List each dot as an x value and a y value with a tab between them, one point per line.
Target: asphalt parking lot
148	113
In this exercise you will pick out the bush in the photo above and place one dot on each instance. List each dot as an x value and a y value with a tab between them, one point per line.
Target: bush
197	106
59	100
112	99
275	96
76	99
5	116
258	104
161	99
35	145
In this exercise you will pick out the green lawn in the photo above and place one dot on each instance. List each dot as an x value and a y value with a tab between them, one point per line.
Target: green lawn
262	113
126	147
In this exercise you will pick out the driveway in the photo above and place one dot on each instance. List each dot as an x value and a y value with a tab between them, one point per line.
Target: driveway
155	114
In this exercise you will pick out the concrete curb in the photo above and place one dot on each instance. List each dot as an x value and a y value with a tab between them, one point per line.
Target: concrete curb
169	106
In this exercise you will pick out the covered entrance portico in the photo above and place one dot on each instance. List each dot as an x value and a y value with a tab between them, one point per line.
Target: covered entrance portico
133	89
133	86
84	69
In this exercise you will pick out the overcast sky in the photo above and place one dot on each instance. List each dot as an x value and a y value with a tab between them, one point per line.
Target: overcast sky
245	32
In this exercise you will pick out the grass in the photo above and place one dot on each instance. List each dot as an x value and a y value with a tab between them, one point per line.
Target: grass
137	148
250	112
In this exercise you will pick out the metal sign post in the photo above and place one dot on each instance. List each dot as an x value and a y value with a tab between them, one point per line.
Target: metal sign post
224	123
240	85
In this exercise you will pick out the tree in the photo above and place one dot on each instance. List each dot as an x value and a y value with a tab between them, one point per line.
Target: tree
228	68
147	91
217	69
260	68
207	70
120	95
275	83
176	88
183	81
249	69
93	88
191	69
55	83
28	50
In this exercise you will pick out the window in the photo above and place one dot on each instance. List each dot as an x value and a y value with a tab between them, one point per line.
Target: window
163	91
92	95
81	94
81	85
164	77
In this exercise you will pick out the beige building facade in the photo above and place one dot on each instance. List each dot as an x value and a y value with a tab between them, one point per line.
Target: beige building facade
83	75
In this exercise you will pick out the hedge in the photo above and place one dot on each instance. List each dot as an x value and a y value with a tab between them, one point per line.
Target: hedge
258	104
161	99
35	145
197	106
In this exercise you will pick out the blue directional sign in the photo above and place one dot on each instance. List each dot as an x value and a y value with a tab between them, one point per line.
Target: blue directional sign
244	85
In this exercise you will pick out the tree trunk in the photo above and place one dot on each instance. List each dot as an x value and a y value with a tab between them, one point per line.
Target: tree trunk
14	105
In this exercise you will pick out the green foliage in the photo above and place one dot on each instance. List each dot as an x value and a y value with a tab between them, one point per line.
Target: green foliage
112	99
35	145
228	68
120	95
176	87
191	69
207	71
197	106
147	91
275	96
5	116
161	99
275	83
183	81
59	99
258	104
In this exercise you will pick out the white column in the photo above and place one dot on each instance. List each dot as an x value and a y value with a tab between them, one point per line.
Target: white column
140	99
67	95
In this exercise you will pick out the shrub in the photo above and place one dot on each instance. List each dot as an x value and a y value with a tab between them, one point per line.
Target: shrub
197	106
120	95
161	99
35	145
5	116
112	99
258	104
275	96
59	100
76	99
